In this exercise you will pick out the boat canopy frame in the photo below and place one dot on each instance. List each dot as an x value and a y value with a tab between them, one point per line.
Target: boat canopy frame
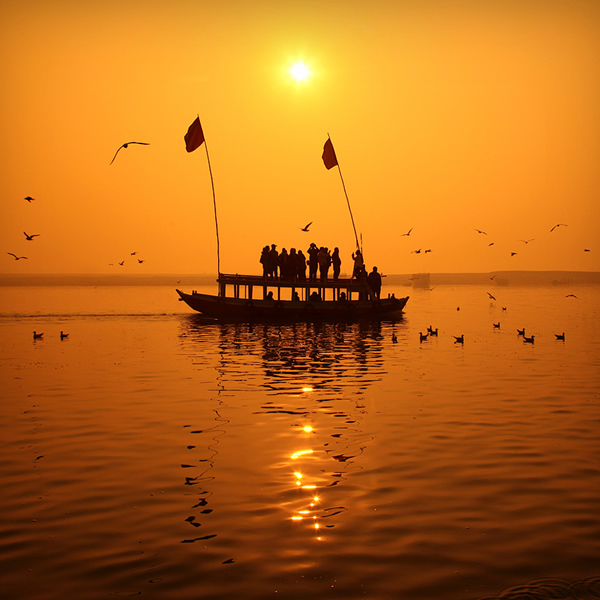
243	287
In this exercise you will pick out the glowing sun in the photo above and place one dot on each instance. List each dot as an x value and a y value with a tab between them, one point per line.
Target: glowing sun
299	71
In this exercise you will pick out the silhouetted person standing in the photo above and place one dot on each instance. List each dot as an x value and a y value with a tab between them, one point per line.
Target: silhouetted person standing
374	281
313	262
336	261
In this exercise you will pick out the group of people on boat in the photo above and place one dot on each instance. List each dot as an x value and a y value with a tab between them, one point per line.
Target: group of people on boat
292	265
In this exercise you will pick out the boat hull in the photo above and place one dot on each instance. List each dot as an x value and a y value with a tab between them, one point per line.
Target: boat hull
240	308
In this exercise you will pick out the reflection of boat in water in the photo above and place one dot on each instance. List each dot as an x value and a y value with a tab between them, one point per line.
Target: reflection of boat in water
329	300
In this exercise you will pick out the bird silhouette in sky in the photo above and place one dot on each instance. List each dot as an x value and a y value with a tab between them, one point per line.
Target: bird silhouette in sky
586	250
513	253
140	260
416	251
491	297
493	276
426	251
16	257
122	263
29	198
479	231
133	253
491	244
306	227
571	296
125	146
559	225
30	237
527	241
408	232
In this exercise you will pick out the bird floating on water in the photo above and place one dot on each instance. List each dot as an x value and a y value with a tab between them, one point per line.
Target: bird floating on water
496	325
559	225
305	228
560	336
394	338
460	339
422	336
528	340
16	257
30	237
37	336
432	331
63	335
29	198
521	331
125	146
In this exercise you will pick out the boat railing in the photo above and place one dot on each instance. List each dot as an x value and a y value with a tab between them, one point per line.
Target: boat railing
327	289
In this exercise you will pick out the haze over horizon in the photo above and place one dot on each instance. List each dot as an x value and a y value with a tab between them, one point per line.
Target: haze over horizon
445	120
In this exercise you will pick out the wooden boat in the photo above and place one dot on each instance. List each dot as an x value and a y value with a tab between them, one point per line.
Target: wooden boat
331	300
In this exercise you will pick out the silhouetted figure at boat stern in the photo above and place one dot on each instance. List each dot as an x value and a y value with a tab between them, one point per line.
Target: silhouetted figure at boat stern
374	281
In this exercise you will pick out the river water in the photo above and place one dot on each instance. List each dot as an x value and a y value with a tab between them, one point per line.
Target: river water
153	454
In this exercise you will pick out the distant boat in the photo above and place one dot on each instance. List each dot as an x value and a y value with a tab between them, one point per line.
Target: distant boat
330	300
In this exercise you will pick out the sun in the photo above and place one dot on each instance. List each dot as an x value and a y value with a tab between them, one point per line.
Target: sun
299	71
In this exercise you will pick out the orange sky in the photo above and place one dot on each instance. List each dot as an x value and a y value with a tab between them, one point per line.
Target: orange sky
445	116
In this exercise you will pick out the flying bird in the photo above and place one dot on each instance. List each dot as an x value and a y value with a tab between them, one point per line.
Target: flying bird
426	251
125	146
122	263
571	296
416	251
513	253
133	253
559	225
493	276
16	257
490	295
527	241
491	244
30	237
306	227
479	231
408	232
140	260
586	250
29	198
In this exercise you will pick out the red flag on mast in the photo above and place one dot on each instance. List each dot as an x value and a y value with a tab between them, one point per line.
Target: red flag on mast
329	157
194	138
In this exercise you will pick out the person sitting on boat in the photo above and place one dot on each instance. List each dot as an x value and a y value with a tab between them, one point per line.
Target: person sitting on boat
270	296
314	297
374	281
295	297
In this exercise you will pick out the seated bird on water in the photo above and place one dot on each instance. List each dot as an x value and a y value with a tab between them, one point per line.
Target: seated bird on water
529	340
422	336
37	336
459	339
560	336
521	331
63	335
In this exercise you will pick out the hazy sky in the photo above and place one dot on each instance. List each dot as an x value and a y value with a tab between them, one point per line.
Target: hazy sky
446	116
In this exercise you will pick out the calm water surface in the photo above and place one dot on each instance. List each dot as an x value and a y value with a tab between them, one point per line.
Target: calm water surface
153	454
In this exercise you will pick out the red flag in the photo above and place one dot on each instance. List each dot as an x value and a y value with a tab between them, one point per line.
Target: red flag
329	157
194	138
